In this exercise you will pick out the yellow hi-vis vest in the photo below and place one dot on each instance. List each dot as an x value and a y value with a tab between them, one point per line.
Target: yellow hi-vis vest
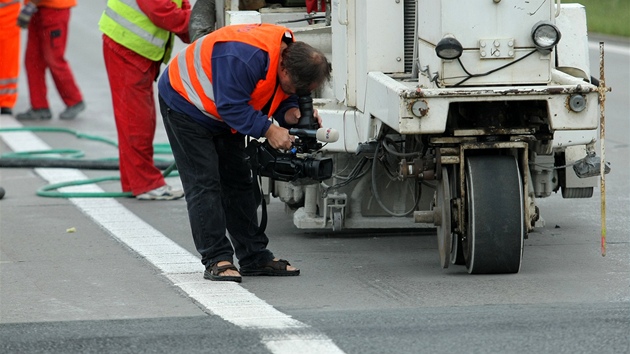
127	25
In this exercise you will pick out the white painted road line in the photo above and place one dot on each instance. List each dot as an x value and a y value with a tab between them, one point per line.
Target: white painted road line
617	49
280	333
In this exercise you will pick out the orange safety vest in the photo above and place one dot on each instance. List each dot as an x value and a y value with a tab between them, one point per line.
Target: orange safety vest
190	72
56	4
9	52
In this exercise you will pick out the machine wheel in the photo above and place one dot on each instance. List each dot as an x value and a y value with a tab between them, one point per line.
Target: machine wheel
494	210
457	251
337	220
443	213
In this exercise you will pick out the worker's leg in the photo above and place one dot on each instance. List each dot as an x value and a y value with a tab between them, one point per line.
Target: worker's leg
55	36
238	194
315	5
134	111
194	149
35	65
9	67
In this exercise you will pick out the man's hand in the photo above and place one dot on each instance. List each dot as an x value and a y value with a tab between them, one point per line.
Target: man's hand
317	117
24	18
292	116
279	138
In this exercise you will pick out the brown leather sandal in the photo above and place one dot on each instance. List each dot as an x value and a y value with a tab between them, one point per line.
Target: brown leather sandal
272	268
214	273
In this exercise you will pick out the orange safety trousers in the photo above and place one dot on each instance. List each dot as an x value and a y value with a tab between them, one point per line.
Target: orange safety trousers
9	53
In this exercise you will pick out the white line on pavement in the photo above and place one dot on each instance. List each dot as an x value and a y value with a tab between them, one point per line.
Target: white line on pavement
228	300
617	49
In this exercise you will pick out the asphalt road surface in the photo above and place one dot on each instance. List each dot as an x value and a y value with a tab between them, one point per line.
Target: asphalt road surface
117	275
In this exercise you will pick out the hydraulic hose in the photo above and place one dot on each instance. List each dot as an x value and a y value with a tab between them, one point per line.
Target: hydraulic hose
104	164
69	158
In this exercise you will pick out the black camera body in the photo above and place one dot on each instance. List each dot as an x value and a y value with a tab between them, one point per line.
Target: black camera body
300	162
288	167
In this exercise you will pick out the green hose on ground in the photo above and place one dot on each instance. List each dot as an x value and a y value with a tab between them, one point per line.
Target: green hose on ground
71	154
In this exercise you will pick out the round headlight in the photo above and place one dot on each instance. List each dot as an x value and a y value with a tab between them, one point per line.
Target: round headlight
577	103
449	48
545	35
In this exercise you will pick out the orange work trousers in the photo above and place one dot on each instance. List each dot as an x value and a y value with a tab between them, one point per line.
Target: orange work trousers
9	52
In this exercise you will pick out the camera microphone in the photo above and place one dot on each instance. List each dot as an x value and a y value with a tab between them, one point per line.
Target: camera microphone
324	135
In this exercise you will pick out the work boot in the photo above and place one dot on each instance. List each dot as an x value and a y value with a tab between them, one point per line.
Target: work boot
6	110
35	114
72	111
165	192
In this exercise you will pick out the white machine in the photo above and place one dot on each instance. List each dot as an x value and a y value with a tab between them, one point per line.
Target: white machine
451	114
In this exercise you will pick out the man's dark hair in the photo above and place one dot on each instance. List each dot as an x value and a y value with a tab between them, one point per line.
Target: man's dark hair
305	65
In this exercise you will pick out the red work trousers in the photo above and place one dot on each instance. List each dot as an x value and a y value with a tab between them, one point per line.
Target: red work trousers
9	54
311	5
135	114
45	49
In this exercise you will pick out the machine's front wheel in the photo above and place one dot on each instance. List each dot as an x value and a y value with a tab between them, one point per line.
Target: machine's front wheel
337	220
457	252
494	210
444	212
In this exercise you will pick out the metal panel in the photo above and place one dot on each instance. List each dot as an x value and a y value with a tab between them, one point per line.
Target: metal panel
526	71
343	28
509	21
376	49
573	47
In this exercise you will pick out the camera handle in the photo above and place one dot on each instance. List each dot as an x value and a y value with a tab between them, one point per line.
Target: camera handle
251	151
307	114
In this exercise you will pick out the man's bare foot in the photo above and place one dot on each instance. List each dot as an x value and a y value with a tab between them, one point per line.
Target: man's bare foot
290	268
228	272
275	267
222	271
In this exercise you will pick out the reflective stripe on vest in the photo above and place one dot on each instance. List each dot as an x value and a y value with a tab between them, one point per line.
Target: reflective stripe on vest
190	72
8	81
8	91
8	86
125	23
204	80
11	2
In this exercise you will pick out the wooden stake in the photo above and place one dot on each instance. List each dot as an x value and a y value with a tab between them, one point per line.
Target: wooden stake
602	132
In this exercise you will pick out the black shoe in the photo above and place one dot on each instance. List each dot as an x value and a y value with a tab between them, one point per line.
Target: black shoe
275	267
214	273
72	111
35	114
6	110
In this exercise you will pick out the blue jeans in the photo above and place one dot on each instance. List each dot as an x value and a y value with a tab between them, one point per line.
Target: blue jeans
219	191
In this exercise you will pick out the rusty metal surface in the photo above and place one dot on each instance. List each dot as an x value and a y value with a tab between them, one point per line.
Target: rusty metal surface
602	89
452	140
494	131
500	91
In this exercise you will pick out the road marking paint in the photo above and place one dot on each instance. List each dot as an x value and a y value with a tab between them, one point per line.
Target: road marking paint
617	49
281	333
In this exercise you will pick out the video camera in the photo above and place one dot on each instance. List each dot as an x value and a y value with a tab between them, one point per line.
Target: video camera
300	162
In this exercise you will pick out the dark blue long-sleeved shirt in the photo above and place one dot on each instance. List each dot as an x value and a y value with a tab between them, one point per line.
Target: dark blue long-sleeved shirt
236	69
